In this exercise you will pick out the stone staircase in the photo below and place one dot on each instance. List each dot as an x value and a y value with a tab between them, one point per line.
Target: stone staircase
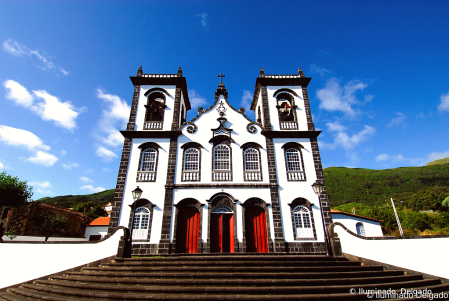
222	277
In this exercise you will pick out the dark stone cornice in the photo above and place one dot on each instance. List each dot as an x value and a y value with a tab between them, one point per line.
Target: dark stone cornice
236	185
291	134
161	80
151	134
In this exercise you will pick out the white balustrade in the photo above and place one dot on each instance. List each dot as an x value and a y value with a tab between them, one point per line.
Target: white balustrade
289	125
253	176
222	176
144	176
190	176
296	176
152	125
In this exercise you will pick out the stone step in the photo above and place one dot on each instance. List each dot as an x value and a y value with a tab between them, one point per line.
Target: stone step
227	269
235	257
231	282
101	291
233	263
10	297
241	275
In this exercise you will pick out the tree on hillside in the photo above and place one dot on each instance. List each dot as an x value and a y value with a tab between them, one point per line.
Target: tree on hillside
48	225
14	192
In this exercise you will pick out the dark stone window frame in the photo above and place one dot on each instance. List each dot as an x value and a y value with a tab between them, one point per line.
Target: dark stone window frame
304	203
151	95
257	147
143	147
253	202
142	203
222	199
184	203
298	147
291	95
216	141
185	147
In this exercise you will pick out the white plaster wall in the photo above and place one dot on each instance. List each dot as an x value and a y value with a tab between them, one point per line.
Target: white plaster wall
237	123
153	191
299	102
96	230
27	261
240	194
372	228
290	190
425	255
169	102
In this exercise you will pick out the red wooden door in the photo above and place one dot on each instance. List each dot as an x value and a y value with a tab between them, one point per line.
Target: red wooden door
222	233
256	230
188	230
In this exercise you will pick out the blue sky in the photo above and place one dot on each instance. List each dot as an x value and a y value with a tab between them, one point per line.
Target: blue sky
379	89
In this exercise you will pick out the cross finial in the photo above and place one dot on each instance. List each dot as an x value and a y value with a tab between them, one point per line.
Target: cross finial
221	77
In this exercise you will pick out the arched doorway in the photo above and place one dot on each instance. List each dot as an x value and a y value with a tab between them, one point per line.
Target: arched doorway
222	230
256	229
187	230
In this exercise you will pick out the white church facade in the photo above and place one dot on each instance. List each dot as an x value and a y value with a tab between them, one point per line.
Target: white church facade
221	182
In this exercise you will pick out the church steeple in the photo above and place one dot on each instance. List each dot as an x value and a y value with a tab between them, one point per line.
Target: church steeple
221	90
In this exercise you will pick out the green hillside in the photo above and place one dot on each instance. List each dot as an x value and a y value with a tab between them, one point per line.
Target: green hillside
440	161
70	201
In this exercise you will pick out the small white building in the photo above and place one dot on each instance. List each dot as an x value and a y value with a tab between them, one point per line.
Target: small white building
221	182
97	229
361	225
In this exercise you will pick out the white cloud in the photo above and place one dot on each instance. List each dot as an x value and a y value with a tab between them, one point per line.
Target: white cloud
105	153
93	189
435	156
63	152
196	100
18	93
44	62
85	180
105	169
18	137
51	108
247	98
45	192
43	158
342	139
69	165
44	184
321	71
382	157
333	97
1	165
335	127
115	113
204	19
444	102
400	118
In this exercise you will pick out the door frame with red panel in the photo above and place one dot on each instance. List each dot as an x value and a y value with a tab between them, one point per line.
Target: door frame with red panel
222	199
177	241
256	204
222	232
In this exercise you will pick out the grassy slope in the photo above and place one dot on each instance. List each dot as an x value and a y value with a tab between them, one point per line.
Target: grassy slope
441	161
67	201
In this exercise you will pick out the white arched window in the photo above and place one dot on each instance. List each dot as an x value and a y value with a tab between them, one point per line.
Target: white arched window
303	222
141	223
192	159
294	165
360	229
149	157
251	157
222	157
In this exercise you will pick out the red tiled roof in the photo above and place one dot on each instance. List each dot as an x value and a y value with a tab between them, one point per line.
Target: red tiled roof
101	221
350	214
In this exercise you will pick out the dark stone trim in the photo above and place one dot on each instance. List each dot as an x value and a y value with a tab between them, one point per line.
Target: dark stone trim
305	203
221	139
150	134
324	199
146	145
266	122
279	244
179	206
298	147
144	249
185	147
162	81
157	89
291	134
164	244
318	248
283	90
190	145
118	195
222	199
132	115
143	147
257	147
251	145
176	123
310	125
222	185
251	127
294	145
252	202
